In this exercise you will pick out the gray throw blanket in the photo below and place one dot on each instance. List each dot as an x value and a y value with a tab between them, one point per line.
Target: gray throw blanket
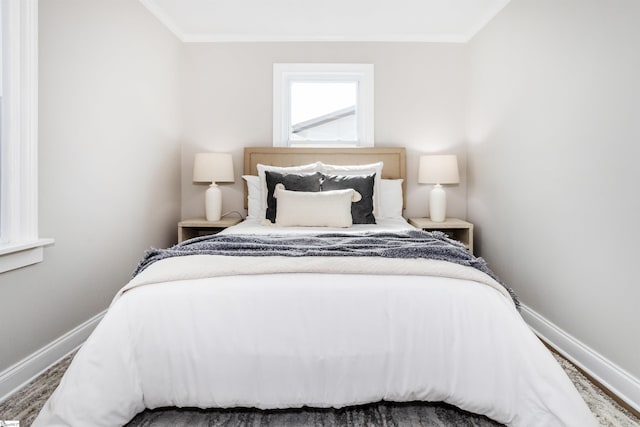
409	244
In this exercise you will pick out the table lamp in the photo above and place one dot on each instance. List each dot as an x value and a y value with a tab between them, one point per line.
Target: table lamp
438	170
213	168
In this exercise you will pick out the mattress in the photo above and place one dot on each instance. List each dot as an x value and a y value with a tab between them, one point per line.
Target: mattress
258	227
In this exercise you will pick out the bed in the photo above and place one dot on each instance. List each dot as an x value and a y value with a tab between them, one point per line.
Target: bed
321	328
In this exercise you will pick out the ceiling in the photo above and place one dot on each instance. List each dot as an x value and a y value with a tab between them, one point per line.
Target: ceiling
454	21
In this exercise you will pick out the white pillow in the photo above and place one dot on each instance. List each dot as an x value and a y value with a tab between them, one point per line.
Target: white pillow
254	199
391	198
360	170
314	209
310	168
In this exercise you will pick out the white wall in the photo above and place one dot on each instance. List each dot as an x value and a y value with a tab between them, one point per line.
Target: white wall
420	95
554	142
109	168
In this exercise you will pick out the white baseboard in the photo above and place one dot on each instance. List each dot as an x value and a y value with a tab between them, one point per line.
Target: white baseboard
17	376
617	380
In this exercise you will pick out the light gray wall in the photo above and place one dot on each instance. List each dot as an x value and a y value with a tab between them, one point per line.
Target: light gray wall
420	97
554	142
109	172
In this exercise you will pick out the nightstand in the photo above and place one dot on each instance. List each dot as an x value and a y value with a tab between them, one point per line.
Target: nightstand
190	228
454	228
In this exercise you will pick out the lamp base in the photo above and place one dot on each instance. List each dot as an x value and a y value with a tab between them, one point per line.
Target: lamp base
438	204
213	202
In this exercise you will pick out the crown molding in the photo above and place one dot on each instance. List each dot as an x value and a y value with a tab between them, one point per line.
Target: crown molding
167	20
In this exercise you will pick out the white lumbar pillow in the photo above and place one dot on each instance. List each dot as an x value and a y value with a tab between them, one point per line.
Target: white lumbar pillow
314	209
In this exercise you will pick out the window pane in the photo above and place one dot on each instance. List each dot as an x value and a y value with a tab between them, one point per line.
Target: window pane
324	111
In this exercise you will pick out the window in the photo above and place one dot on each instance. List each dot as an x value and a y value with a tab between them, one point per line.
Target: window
19	241
323	105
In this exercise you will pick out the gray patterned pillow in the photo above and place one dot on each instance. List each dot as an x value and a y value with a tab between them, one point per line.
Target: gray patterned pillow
362	211
291	181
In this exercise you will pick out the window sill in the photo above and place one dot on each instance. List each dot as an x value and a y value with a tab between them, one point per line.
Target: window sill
17	255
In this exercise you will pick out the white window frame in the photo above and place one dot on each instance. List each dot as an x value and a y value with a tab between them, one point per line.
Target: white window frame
20	244
284	74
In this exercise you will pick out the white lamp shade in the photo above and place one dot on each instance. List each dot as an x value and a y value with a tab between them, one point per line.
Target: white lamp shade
213	167
438	169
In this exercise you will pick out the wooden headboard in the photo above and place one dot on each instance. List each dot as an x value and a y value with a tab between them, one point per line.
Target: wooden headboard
394	158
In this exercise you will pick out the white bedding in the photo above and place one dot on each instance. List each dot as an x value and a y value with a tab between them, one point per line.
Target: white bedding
279	340
254	226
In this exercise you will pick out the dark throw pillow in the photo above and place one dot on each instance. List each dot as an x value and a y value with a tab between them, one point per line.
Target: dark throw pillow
291	181
362	211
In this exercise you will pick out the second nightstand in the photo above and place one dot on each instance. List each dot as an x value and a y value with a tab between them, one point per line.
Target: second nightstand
190	228
454	228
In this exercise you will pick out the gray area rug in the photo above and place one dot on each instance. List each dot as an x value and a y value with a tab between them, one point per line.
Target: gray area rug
26	404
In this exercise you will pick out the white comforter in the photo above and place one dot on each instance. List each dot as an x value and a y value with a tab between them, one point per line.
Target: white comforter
275	337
